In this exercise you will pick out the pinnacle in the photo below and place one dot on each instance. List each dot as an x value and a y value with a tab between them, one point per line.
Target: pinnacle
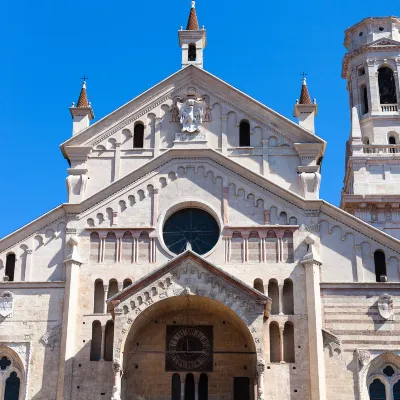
193	23
83	100
305	95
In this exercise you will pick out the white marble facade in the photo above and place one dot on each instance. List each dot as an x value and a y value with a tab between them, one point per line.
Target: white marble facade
311	290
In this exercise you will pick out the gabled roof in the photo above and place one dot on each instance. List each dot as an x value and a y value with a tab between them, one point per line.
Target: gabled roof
189	255
165	89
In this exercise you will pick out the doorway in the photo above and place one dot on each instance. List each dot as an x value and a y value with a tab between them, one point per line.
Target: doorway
241	388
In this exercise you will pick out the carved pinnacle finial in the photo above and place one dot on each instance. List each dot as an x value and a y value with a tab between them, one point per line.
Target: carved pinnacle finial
193	4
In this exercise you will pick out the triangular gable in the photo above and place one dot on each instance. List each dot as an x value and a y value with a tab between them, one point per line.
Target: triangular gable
119	118
384	42
189	255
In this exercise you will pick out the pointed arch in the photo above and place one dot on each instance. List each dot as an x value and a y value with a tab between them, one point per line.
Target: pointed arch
377	390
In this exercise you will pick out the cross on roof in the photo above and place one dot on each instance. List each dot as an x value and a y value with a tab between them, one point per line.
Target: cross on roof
85	78
304	74
4	363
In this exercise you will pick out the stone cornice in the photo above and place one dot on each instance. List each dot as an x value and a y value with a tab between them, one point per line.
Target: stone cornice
378	286
32	285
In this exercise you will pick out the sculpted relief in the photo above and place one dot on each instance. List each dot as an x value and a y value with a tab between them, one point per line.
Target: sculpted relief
191	114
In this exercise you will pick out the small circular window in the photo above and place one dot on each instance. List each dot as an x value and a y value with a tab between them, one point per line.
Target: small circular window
381	28
361	33
190	228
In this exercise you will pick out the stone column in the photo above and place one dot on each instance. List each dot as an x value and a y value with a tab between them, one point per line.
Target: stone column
265	164
28	265
245	247
183	381
280	299
103	236
196	387
281	348
279	235
260	385
116	391
119	246
315	340
69	319
105	298
224	137
373	87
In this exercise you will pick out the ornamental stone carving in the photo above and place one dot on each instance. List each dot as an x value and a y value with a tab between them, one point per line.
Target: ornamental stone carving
191	113
385	307
52	337
332	342
6	304
363	356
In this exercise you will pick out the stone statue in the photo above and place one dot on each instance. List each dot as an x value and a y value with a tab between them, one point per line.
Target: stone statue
191	114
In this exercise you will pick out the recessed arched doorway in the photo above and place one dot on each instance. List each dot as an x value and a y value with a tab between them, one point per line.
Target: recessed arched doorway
187	348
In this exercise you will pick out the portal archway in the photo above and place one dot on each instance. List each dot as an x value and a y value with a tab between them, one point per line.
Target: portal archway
153	348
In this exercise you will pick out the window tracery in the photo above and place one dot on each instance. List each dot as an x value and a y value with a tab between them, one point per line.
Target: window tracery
384	383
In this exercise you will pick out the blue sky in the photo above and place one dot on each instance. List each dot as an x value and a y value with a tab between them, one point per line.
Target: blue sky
125	47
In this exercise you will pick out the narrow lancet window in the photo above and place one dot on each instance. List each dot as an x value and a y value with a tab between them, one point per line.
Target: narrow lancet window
244	134
138	136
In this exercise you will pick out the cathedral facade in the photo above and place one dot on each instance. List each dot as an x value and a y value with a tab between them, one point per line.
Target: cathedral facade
194	258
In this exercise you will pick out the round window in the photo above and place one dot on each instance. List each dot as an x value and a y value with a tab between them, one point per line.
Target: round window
193	228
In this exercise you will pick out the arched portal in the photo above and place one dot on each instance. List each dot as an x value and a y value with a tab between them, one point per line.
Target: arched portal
190	336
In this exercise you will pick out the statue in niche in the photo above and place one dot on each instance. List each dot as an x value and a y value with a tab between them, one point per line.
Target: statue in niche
191	114
385	307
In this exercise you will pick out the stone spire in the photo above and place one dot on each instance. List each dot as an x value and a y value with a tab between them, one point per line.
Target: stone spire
193	23
83	100
305	109
82	112
304	95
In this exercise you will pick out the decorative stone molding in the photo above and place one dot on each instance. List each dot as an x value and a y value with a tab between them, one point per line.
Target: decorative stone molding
332	342
51	338
363	357
6	304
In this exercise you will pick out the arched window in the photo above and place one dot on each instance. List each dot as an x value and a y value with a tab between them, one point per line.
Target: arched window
288	302
396	391
377	390
10	266
108	341
176	387
138	136
274	342
189	387
244	134
98	297
94	248
380	266
127	282
288	343
259	285
273	293
387	86
392	140
192	52
203	387
13	384
95	345
364	99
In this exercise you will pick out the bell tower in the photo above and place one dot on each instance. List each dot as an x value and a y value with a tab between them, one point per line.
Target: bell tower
192	40
371	67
